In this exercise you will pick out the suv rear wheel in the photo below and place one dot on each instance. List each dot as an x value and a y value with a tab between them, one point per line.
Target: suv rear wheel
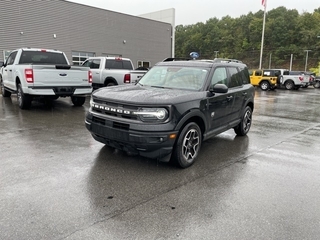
188	145
244	126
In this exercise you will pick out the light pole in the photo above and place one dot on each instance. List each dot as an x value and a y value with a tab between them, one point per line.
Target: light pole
305	67
216	54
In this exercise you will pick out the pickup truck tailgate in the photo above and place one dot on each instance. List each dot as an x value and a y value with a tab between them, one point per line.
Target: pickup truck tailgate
136	75
55	75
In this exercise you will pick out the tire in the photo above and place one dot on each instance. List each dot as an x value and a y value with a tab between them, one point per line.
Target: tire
289	85
109	83
4	92
316	84
24	100
188	145
264	85
244	126
78	101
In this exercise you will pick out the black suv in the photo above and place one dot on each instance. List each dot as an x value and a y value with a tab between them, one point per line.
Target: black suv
173	108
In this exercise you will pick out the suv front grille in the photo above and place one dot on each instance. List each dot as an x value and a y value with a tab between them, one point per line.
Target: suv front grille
116	110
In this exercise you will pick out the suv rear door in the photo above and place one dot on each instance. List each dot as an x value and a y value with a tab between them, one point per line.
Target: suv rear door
220	103
237	91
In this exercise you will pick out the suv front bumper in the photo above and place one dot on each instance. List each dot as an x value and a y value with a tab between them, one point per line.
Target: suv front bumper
151	144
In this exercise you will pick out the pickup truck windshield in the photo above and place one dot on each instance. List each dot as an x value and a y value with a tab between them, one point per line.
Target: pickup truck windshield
175	77
39	57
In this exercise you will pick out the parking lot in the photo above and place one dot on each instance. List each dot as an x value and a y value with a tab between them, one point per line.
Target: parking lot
57	182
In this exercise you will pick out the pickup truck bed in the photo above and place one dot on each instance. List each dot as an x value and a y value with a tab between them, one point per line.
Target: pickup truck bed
110	71
39	73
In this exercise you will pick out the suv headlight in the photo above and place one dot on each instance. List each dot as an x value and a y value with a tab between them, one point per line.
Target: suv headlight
152	114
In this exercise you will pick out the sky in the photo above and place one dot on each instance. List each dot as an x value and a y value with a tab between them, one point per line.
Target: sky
194	11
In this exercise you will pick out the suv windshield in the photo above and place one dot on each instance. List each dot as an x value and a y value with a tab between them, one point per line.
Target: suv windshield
175	77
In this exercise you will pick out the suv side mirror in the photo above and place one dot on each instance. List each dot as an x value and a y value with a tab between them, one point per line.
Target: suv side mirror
219	88
1	64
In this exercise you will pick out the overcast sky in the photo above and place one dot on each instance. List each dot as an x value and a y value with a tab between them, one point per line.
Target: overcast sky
193	11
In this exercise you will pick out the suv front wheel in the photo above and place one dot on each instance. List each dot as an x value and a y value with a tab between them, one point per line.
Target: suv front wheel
188	145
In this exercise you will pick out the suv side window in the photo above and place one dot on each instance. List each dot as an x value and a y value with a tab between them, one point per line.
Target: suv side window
245	75
219	76
258	73
11	58
236	80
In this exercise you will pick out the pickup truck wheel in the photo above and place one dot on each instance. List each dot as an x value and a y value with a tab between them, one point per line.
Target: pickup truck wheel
316	84
244	126
188	145
4	92
109	84
264	85
78	101
24	100
289	85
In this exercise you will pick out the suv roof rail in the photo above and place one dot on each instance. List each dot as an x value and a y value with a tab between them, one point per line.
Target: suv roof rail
175	59
226	60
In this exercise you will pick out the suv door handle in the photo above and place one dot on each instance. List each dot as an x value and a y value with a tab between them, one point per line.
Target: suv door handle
244	93
229	98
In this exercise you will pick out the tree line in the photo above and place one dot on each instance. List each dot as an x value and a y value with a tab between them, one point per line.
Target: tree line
288	36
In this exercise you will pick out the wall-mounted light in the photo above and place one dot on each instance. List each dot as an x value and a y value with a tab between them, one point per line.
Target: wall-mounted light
54	36
21	33
124	41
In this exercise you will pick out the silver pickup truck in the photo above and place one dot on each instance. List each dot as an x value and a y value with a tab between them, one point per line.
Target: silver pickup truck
289	80
42	73
109	71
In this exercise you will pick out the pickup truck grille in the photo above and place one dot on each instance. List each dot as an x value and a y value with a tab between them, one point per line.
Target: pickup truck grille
116	110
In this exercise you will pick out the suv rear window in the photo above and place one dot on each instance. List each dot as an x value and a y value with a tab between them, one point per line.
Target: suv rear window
37	57
118	64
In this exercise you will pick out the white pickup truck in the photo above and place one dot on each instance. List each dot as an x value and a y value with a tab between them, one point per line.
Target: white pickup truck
43	73
290	81
109	71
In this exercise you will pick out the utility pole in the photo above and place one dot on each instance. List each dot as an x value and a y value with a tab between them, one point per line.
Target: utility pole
270	61
305	68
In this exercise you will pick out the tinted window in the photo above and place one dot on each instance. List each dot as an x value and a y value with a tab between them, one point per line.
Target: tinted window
118	64
219	76
236	80
42	57
244	73
258	73
11	58
93	63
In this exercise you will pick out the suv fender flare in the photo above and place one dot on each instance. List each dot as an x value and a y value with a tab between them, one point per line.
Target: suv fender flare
193	113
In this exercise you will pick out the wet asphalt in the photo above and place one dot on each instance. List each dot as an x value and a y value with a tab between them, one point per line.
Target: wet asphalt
57	182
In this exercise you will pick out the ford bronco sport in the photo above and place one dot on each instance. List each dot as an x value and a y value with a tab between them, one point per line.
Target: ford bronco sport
173	108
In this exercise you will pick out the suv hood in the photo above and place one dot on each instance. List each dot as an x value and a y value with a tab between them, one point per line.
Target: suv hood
146	95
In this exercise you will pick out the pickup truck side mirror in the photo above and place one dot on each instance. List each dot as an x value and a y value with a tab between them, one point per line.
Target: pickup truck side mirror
219	88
